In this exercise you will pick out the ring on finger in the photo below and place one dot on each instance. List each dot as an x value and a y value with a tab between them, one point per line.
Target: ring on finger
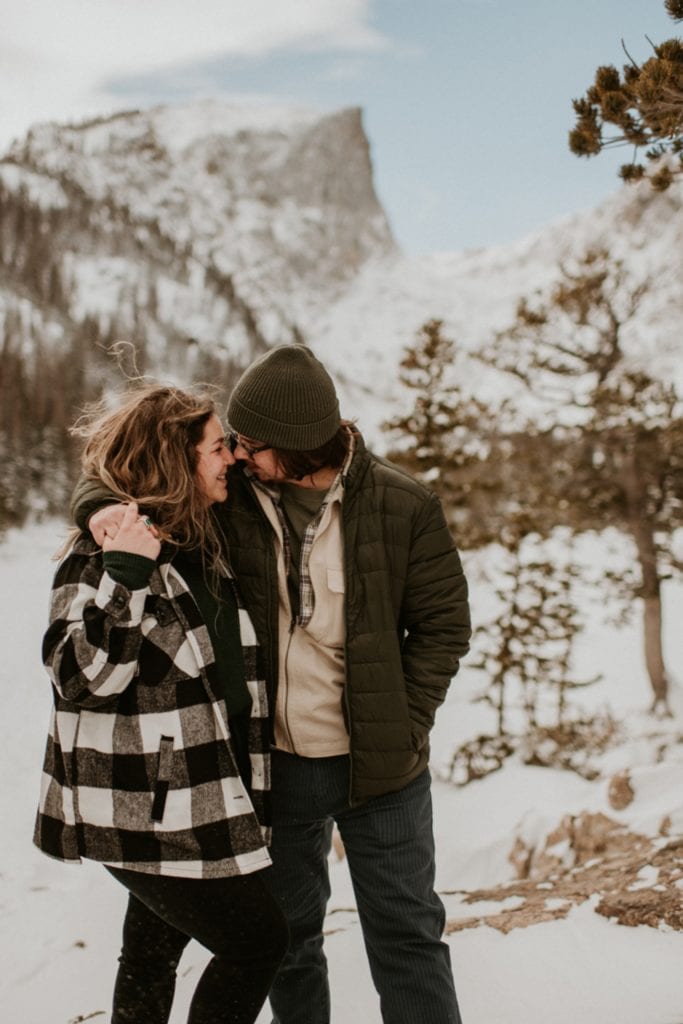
148	522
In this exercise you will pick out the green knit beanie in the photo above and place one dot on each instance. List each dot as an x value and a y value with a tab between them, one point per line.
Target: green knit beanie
286	399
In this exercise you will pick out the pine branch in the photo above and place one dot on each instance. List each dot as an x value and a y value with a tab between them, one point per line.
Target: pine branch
633	62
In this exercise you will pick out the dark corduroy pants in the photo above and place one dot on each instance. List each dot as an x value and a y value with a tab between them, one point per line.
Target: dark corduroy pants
235	918
390	849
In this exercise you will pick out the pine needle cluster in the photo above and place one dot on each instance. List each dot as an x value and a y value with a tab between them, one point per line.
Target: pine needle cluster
675	9
644	103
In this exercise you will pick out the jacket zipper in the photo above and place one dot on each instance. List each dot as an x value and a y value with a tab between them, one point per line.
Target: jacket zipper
347	582
285	707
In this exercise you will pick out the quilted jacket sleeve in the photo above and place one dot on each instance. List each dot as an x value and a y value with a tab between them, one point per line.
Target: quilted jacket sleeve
88	496
92	643
435	616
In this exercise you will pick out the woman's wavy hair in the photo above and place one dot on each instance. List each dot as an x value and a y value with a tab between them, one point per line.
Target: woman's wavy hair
146	451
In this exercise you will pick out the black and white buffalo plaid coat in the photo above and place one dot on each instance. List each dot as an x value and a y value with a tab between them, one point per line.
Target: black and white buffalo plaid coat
139	771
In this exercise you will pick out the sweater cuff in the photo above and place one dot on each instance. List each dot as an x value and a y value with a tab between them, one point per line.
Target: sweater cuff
131	571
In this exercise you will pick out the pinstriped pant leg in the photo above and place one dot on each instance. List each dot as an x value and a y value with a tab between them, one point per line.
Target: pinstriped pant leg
390	848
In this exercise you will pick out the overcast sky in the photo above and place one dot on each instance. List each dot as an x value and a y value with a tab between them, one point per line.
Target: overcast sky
467	102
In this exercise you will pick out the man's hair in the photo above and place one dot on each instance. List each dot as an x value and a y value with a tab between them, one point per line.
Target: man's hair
331	455
146	451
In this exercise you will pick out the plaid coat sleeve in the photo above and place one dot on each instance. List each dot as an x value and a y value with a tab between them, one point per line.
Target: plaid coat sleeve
92	644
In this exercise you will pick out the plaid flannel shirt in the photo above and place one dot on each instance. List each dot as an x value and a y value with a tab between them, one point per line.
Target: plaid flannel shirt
139	772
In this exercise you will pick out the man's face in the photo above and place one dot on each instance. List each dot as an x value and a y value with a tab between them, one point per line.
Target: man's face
259	460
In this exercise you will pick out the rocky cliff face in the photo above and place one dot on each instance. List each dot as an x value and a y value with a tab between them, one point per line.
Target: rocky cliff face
199	234
205	221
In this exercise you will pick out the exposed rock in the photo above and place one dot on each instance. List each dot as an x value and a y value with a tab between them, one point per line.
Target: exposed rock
665	825
638	879
520	858
620	792
647	907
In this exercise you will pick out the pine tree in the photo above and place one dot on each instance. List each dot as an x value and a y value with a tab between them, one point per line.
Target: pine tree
526	649
621	442
644	102
449	440
525	652
493	479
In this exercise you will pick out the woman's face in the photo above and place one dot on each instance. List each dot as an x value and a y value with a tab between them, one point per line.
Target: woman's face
214	457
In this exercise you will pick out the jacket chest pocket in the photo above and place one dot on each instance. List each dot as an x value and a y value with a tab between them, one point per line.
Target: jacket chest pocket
163	656
328	623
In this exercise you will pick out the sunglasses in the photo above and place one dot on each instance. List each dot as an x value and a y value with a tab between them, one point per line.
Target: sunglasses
234	441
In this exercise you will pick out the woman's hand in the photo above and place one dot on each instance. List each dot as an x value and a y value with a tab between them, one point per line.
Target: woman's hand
133	533
105	522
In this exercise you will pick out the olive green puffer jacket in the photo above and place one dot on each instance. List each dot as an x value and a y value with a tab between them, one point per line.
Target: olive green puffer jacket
407	617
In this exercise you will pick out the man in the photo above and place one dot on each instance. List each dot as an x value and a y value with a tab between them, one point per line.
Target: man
358	597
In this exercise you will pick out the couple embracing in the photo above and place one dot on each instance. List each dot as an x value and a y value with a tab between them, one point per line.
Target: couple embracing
248	642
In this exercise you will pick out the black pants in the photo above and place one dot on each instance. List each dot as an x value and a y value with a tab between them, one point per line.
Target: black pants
389	847
236	918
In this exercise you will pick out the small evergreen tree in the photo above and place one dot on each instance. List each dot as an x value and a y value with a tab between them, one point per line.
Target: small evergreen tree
493	484
526	649
525	653
449	440
623	432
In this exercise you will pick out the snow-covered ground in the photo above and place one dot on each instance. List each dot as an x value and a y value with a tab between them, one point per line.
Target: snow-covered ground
61	924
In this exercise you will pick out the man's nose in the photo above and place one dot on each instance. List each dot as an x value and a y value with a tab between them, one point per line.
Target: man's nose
240	452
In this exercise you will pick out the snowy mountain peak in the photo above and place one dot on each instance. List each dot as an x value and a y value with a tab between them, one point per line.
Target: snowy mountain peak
175	127
198	232
185	124
279	197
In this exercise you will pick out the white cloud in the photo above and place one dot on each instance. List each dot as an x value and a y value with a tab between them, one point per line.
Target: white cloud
132	35
54	56
347	69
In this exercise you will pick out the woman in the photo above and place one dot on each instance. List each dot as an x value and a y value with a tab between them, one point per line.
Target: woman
157	762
